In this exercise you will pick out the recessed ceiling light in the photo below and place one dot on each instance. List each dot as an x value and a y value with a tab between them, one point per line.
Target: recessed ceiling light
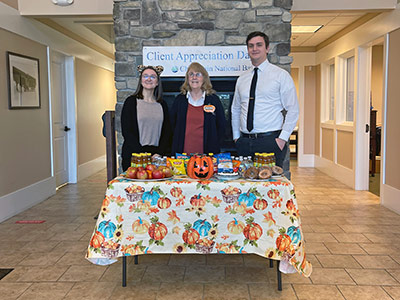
306	28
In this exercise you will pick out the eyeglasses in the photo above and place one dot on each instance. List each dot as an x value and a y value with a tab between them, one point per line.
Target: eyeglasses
198	74
152	77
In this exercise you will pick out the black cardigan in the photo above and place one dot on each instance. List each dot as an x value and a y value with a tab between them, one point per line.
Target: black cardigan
214	124
130	131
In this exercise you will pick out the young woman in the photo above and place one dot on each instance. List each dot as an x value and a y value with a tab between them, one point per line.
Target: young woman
145	120
198	118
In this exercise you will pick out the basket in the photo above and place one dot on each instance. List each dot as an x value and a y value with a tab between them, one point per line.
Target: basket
204	249
109	252
231	198
134	197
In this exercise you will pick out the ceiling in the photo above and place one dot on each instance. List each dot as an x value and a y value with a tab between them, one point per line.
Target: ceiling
99	31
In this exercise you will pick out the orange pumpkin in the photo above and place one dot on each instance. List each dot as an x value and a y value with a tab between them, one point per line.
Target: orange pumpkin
260	204
252	231
163	203
190	236
97	239
283	242
273	194
200	167
197	201
176	192
235	227
157	231
140	226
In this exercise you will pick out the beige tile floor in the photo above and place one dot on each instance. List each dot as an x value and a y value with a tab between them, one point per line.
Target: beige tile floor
352	241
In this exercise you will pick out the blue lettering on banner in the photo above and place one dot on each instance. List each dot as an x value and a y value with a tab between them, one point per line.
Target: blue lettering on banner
191	57
161	57
242	55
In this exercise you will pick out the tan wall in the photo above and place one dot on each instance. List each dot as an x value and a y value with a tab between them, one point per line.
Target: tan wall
377	81
327	144
392	112
25	133
12	3
294	72
345	149
317	109
309	108
95	93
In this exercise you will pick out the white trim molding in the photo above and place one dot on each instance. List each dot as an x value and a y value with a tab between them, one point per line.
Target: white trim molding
340	173
91	167
306	161
390	197
22	199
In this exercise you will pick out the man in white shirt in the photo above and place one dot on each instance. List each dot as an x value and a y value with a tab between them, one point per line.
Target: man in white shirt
261	126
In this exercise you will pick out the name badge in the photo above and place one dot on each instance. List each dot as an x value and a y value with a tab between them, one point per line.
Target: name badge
209	108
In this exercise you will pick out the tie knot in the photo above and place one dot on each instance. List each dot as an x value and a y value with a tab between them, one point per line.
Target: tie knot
255	69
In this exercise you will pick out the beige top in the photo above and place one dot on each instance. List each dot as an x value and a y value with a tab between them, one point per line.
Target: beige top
150	119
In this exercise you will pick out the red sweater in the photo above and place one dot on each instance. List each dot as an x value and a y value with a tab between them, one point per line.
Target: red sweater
194	130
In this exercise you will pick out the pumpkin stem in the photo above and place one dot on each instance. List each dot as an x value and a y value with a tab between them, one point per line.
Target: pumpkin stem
236	222
140	221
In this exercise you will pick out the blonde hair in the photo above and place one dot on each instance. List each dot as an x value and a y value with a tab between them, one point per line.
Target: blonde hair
206	86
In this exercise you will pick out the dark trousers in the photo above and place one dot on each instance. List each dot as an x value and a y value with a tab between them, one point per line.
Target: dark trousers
246	146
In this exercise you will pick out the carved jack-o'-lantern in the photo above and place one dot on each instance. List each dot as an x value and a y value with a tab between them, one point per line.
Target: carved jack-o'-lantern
200	167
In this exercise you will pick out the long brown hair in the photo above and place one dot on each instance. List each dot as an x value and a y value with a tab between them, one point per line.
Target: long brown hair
158	93
206	86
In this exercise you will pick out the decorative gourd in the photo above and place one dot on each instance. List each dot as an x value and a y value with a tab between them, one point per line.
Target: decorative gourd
273	193
283	242
290	205
107	228
151	196
97	239
235	227
197	201
157	231
294	234
176	192
202	227
164	203
200	167
190	236
252	231
140	226
260	204
247	198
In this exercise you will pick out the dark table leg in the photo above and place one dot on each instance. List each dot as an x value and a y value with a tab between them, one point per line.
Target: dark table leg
279	276
271	263
136	259
124	271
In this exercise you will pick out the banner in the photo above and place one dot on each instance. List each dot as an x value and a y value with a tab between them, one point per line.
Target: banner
217	60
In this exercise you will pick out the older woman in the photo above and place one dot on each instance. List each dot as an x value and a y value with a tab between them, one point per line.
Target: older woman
145	120
198	119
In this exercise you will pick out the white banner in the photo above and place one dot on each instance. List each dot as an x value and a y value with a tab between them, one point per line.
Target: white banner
217	60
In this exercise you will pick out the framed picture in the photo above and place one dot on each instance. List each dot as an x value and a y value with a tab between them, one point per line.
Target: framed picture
23	81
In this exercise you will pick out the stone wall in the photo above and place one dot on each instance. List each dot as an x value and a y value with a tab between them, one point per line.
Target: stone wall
139	23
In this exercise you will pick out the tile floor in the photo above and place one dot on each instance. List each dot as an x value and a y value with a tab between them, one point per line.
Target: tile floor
352	241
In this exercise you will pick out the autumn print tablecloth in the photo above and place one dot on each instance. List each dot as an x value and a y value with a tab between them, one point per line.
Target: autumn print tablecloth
183	215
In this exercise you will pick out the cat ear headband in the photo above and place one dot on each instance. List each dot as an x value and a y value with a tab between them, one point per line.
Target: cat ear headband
157	69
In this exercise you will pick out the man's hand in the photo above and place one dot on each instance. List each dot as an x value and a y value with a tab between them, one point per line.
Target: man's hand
235	140
281	143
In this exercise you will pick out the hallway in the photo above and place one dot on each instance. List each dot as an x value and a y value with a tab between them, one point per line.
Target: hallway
351	241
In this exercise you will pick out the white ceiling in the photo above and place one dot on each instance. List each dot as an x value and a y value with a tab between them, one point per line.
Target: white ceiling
99	30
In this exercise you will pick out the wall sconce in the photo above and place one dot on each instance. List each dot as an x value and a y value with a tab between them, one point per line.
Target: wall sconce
62	2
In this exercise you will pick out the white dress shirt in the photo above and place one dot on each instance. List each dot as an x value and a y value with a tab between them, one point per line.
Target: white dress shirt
198	102
275	91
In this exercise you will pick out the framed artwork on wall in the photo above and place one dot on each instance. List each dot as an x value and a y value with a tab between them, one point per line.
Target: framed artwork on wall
23	81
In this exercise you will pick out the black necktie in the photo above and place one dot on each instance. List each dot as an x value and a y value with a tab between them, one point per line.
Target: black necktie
252	99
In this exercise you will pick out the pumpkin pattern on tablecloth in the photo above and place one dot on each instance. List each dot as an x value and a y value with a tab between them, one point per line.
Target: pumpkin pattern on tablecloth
107	228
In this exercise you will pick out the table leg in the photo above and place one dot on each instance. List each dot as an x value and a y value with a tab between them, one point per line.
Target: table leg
279	274
271	263
136	259
124	271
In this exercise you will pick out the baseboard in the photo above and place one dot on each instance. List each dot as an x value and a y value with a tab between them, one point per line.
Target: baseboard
340	173
390	197
91	167
306	161
20	200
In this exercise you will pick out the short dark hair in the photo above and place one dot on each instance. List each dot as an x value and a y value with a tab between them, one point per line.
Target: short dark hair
258	33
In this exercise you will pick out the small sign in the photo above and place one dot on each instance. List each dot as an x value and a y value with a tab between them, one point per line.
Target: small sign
30	221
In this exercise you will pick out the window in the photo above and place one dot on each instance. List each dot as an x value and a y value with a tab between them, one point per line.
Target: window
350	89
331	92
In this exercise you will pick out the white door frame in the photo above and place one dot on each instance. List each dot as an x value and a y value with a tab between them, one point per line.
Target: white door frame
363	118
71	117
